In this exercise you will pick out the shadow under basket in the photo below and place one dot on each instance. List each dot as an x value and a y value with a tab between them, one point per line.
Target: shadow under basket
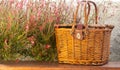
93	49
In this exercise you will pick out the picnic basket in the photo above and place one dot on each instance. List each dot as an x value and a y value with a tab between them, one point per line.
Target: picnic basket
83	44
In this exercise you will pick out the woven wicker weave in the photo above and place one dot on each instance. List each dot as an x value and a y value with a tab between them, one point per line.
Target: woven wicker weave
92	49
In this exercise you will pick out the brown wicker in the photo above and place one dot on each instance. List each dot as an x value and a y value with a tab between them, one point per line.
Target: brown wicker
91	49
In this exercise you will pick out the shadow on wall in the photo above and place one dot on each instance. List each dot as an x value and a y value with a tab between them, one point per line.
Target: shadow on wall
115	44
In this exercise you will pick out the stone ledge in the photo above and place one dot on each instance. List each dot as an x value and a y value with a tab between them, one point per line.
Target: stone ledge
55	66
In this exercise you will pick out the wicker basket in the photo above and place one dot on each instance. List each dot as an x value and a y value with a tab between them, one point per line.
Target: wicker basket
85	45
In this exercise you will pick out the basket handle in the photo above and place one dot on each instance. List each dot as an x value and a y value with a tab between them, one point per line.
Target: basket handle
76	12
96	11
85	15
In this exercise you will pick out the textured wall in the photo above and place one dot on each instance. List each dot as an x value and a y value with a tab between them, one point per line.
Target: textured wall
115	39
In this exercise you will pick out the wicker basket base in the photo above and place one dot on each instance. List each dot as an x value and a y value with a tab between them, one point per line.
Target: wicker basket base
84	62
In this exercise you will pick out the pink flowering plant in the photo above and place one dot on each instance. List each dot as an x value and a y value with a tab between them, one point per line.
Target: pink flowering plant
12	35
27	29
